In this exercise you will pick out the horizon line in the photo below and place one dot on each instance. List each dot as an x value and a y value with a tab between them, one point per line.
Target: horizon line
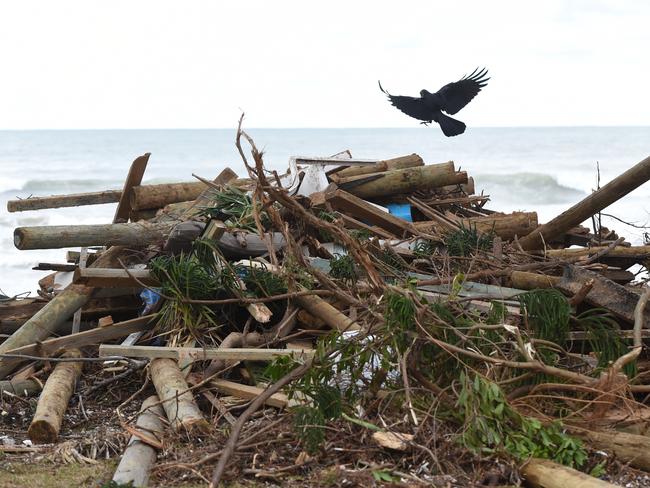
318	128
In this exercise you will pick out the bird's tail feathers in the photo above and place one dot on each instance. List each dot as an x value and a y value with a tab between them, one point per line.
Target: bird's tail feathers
450	127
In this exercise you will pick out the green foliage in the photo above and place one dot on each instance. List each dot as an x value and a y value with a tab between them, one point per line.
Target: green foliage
235	207
361	235
381	475
466	241
184	277
548	313
400	319
309	423
496	314
603	339
424	248
491	425
391	259
326	235
343	267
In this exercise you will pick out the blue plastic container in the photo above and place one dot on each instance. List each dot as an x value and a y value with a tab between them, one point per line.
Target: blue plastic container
401	210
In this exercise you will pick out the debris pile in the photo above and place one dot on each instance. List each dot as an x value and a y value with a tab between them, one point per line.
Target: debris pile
347	322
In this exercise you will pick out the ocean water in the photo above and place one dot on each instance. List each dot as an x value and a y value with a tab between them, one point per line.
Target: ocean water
541	169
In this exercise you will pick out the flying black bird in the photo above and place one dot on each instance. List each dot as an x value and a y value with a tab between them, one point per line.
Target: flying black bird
450	98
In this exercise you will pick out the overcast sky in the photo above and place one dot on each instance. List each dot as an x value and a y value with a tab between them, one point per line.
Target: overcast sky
151	64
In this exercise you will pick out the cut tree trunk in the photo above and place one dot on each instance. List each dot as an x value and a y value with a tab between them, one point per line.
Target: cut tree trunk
21	388
504	226
410	161
400	181
525	280
629	448
140	456
542	473
54	399
157	196
138	234
178	402
59	201
318	307
591	205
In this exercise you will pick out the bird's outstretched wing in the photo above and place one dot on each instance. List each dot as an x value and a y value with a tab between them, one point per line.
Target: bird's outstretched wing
458	94
411	106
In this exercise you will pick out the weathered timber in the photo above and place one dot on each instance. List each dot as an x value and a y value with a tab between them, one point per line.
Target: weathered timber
525	280
59	201
54	267
133	178
199	353
505	226
140	456
248	392
635	253
318	307
54	399
148	197
356	207
605	293
542	473
591	205
87	338
355	224
629	448
157	196
400	181
410	161
114	278
26	387
177	400
140	234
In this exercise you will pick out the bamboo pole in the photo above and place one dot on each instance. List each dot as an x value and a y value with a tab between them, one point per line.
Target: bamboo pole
542	473
591	205
138	234
139	456
54	399
178	402
410	161
403	180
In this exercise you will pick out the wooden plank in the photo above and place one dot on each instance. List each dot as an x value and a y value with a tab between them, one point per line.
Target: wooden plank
248	392
134	178
113	278
358	208
605	293
355	224
200	354
87	338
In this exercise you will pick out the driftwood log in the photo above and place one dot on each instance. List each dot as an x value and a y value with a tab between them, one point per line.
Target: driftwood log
140	456
54	399
401	181
591	205
410	161
542	473
178	402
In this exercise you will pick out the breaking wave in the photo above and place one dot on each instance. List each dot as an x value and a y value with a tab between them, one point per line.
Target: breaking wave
526	188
